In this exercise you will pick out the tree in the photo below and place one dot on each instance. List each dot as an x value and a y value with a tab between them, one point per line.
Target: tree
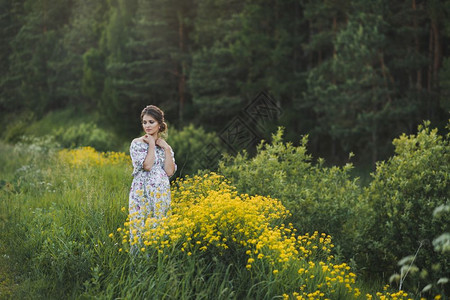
10	23
352	91
34	50
214	73
78	78
241	49
324	19
147	60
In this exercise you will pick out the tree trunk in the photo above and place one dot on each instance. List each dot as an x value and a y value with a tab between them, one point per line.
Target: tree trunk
374	146
430	56
435	56
181	73
417	43
334	48
437	52
386	76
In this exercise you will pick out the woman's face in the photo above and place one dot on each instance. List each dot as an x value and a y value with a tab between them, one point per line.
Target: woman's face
150	125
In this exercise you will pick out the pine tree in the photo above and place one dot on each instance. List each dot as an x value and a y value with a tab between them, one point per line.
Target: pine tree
11	17
351	91
112	56
75	80
34	51
148	65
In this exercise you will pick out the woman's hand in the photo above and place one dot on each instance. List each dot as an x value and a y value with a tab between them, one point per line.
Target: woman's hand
162	143
149	139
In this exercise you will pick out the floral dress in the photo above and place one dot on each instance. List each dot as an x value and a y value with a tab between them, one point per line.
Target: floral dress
150	190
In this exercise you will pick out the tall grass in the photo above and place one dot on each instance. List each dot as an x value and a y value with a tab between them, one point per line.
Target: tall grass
56	219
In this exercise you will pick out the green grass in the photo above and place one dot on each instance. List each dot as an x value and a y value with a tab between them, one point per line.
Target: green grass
55	220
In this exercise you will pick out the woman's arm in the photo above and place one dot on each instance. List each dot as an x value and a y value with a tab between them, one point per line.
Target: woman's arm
150	158
169	163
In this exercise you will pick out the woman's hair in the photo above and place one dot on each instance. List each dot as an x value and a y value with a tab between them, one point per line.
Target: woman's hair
157	114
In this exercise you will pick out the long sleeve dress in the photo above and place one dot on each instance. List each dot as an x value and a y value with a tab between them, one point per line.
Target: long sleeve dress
150	190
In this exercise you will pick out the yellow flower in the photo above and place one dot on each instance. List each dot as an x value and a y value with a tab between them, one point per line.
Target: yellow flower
208	214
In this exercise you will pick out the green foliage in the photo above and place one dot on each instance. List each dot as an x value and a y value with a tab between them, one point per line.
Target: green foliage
319	198
402	196
351	74
427	280
351	90
17	126
190	147
216	68
69	128
93	74
86	134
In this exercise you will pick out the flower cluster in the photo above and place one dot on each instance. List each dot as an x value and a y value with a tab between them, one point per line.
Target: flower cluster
88	156
208	213
209	216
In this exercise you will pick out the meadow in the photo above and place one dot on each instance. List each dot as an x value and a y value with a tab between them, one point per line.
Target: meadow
274	226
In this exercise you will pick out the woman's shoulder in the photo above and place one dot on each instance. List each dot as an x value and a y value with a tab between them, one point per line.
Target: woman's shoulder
137	143
137	140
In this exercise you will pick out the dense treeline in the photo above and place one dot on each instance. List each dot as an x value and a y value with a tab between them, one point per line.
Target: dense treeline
352	74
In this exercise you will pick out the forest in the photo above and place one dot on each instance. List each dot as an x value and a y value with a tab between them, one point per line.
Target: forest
351	74
311	140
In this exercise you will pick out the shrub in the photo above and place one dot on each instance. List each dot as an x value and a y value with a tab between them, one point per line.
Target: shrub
402	196
190	145
426	280
319	198
17	126
85	134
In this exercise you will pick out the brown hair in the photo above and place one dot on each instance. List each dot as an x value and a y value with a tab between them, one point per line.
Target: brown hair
157	114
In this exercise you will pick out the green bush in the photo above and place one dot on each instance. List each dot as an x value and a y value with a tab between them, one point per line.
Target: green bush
426	281
69	127
402	195
191	146
319	198
86	134
16	126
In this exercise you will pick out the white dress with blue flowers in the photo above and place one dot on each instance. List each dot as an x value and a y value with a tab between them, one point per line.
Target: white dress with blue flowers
150	190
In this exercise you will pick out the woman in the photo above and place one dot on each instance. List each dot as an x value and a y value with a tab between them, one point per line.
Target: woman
153	162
